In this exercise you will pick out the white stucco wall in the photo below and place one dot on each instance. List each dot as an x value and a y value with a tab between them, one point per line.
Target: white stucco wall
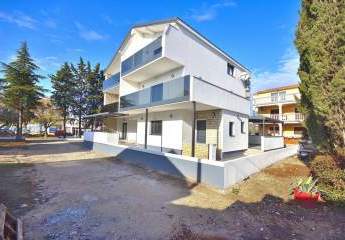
240	140
172	125
200	60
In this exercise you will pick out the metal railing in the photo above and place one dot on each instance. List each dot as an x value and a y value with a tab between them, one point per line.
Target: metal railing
143	56
113	81
292	117
176	90
276	99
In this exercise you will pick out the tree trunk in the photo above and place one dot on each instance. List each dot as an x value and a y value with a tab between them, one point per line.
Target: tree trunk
20	123
64	125
92	124
45	131
79	133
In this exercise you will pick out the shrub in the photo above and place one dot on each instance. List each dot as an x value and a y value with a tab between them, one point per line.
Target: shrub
331	178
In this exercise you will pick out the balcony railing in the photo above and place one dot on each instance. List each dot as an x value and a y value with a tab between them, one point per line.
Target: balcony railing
287	117
111	82
142	57
176	90
276	99
111	107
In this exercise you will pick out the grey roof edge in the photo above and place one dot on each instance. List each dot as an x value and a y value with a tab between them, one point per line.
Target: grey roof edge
189	27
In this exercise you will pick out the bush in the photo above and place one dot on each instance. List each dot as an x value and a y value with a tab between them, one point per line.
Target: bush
331	178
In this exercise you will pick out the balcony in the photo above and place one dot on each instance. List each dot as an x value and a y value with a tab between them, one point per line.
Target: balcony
111	82
173	91
111	107
286	117
148	62
272	100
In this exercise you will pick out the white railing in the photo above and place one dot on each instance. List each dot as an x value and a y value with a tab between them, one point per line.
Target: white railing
287	117
276	99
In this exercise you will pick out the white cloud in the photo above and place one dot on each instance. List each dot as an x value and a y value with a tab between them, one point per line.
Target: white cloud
48	64
20	19
50	23
89	34
208	12
285	74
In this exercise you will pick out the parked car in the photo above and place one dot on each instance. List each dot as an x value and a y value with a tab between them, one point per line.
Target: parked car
306	149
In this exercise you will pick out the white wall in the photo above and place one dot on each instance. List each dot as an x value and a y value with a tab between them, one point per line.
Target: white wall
200	60
205	93
270	143
101	137
171	129
240	140
173	74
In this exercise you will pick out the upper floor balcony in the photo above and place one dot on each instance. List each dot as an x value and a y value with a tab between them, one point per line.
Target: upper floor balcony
146	63
275	99
110	84
111	107
173	91
286	117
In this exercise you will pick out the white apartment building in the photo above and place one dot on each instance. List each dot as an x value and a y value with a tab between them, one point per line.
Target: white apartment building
170	89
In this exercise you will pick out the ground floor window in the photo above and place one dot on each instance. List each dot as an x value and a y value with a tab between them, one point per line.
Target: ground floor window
231	129
242	127
156	128
201	131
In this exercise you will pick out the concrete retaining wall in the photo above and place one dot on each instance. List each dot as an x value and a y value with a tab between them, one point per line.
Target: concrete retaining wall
216	174
271	142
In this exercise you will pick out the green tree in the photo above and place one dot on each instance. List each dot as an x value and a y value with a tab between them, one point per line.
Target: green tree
62	95
320	40
94	93
79	88
46	115
21	91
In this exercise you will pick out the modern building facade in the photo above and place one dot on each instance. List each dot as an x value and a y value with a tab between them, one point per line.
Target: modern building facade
281	104
170	89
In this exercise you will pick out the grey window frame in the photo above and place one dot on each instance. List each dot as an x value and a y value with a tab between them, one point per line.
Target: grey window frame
197	131
154	128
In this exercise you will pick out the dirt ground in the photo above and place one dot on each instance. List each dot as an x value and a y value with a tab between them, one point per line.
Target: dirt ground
63	191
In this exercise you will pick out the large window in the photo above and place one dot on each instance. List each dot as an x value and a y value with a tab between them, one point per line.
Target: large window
201	131
231	129
230	69
156	128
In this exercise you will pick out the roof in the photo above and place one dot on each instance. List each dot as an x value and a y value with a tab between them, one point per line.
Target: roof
291	86
188	27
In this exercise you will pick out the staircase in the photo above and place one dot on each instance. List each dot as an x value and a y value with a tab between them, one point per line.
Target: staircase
11	228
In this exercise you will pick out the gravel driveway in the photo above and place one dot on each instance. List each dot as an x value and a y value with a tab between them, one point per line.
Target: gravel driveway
98	197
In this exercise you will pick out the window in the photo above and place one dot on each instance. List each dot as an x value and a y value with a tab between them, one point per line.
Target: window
156	128
201	131
274	97
157	51
242	127
231	129
282	96
157	93
230	69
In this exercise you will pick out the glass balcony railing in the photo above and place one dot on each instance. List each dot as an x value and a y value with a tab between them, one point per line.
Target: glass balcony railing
143	56
113	81
176	90
111	107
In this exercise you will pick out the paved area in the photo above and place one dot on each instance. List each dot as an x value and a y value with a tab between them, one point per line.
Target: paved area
98	197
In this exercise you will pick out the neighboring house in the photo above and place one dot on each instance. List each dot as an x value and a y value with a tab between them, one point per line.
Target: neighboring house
170	89
281	104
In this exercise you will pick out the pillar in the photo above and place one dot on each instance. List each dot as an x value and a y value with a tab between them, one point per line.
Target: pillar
146	119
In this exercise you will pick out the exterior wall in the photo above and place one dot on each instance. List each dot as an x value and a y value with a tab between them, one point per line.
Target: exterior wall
110	98
197	57
216	174
172	125
213	119
240	140
270	143
176	73
288	130
110	124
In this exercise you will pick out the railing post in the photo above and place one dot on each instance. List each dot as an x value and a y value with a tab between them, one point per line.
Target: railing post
193	129
146	116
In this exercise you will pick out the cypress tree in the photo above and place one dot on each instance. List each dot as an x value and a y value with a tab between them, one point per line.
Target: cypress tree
320	40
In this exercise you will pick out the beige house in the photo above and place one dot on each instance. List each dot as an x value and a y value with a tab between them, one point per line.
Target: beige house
282	104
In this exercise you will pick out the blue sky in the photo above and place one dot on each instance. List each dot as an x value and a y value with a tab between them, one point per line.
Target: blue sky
259	34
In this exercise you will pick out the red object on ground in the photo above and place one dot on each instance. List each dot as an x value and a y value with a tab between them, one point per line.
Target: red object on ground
305	196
